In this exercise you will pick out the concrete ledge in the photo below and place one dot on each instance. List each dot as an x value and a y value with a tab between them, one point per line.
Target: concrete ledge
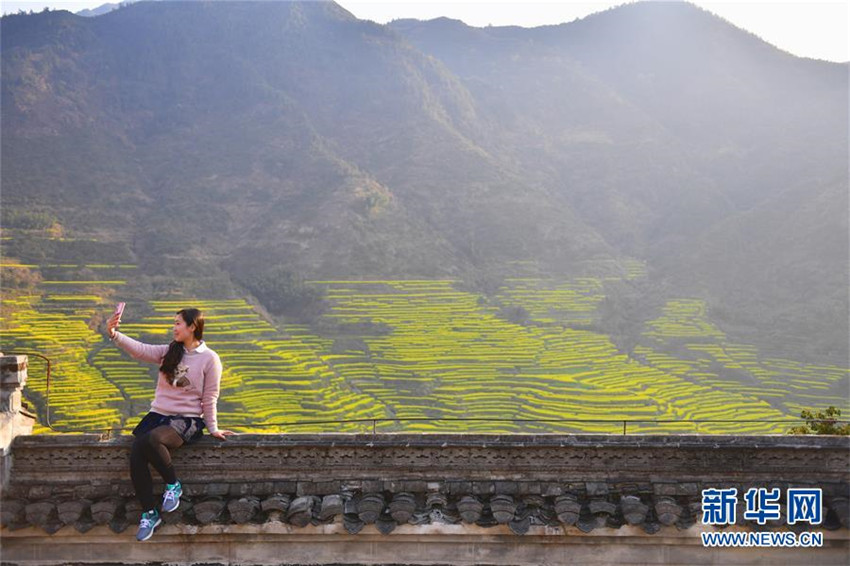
417	499
278	543
475	439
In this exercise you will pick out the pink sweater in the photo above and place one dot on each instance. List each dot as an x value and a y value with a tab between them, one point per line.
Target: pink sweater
197	380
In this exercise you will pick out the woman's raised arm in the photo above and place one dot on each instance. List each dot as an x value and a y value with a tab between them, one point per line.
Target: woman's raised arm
138	350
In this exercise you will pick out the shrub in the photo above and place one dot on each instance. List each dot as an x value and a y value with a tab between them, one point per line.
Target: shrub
26	219
19	277
822	422
516	314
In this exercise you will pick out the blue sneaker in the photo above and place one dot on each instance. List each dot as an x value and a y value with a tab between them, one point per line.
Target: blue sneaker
171	497
150	521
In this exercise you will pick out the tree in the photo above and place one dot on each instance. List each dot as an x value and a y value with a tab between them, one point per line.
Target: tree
284	292
824	422
516	314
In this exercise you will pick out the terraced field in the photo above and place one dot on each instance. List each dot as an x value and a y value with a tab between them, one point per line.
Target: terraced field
572	302
57	319
270	376
706	357
80	397
408	350
450	356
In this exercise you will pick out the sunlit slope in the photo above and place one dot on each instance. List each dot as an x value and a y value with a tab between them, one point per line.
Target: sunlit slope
443	354
446	354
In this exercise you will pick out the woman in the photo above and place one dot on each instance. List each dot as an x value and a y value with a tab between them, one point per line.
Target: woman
185	401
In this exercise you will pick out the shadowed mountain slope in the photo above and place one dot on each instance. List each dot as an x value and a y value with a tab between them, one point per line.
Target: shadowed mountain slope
312	138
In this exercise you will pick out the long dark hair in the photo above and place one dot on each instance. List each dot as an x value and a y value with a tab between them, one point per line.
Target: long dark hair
175	349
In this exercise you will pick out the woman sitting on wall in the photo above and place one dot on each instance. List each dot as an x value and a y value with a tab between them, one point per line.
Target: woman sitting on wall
184	402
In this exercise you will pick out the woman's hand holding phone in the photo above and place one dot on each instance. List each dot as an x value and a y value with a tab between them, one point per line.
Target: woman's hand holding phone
115	320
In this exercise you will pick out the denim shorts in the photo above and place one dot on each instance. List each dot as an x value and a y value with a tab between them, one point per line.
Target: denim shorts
190	429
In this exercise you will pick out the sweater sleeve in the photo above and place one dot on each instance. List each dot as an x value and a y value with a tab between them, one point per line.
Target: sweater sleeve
139	350
209	399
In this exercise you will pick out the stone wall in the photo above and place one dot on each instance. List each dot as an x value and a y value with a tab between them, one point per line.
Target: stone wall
14	419
416	499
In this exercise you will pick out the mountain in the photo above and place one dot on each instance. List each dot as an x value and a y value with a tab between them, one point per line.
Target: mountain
238	136
685	141
102	9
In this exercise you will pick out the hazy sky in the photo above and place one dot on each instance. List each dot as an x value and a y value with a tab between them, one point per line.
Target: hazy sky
817	29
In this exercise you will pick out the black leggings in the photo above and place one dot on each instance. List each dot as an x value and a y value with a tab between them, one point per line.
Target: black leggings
152	448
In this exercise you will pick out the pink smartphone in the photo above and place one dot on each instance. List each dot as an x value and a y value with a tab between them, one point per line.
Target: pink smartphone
119	310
